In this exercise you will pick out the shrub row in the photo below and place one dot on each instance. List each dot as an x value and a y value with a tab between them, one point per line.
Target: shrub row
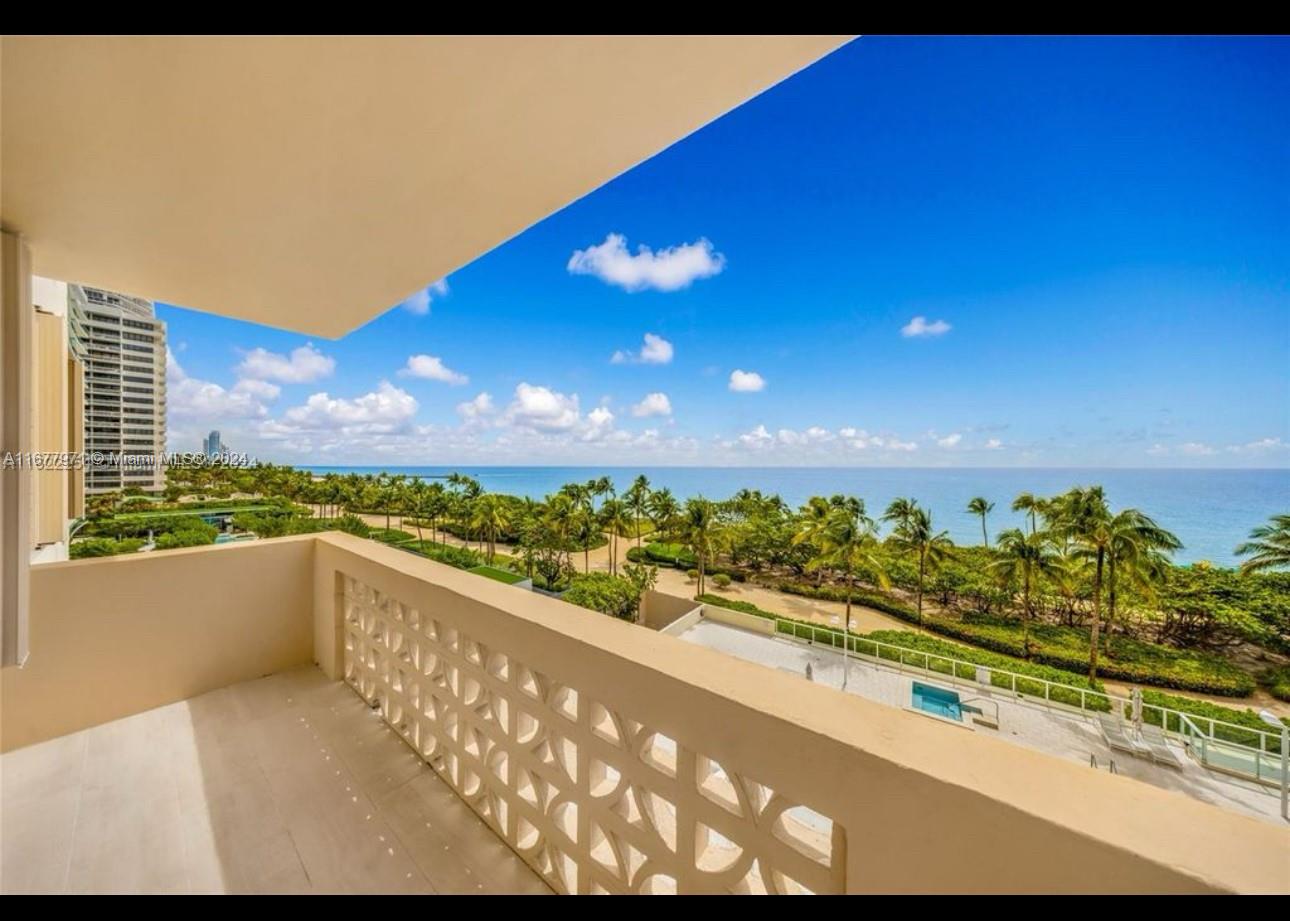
678	557
1064	647
103	546
390	535
1206	710
460	557
1277	681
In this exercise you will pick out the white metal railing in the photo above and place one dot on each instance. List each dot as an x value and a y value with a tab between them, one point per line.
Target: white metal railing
1229	747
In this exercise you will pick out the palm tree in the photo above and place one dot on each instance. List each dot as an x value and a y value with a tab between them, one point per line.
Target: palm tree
663	509
560	513
436	505
415	499
981	506
813	521
1029	504
847	543
1082	516
899	511
1268	546
915	535
700	531
1023	558
1136	553
489	517
584	529
613	518
637	499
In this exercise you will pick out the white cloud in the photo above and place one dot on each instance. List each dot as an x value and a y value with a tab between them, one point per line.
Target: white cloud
599	423
386	409
812	436
653	404
1261	446
920	327
303	365
428	367
993	444
895	444
192	398
419	303
668	269
1195	449
543	409
949	441
757	438
746	381
260	389
474	410
655	350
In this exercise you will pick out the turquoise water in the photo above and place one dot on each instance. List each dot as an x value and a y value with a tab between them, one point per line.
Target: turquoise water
1211	511
937	702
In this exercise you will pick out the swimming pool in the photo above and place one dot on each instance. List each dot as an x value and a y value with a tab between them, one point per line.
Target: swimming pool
937	702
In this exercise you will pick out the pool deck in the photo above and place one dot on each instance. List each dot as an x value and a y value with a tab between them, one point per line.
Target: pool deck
1055	732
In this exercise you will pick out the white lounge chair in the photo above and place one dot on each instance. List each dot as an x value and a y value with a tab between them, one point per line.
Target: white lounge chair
1159	748
1117	739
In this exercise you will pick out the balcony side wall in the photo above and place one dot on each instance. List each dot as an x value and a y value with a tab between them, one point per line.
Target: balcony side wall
117	636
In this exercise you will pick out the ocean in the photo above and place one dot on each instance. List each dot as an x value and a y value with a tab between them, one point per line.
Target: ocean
1211	511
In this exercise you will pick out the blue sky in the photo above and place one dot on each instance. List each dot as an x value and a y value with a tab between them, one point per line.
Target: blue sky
1094	232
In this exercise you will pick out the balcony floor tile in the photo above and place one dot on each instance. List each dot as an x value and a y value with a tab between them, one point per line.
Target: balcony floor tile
284	784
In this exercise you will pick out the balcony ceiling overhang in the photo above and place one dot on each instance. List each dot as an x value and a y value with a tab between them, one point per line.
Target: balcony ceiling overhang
312	183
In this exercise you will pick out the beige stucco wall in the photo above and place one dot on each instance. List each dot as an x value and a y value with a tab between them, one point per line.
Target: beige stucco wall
50	507
925	809
659	609
116	636
738	619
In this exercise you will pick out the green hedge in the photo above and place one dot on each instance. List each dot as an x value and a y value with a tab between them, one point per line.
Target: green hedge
103	546
390	535
1066	648
1277	681
187	537
1207	710
459	557
679	557
866	644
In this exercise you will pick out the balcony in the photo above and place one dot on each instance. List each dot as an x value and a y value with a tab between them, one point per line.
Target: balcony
322	713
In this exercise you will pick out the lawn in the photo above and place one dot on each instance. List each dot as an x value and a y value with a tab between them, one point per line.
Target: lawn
497	575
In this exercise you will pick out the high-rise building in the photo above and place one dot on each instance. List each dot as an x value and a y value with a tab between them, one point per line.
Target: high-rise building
213	446
125	388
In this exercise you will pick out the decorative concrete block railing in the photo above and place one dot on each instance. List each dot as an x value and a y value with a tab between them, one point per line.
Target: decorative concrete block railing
589	797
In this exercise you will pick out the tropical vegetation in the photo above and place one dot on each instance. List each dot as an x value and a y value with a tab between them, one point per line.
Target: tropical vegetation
1081	586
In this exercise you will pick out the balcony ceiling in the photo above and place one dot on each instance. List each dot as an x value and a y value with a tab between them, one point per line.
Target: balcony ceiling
312	183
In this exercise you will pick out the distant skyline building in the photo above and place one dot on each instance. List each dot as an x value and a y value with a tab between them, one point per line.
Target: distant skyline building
213	446
125	387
